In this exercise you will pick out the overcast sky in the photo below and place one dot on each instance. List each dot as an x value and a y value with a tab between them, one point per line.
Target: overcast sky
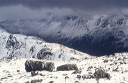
15	9
82	4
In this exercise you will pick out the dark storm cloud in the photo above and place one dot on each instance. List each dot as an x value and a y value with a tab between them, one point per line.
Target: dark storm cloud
82	4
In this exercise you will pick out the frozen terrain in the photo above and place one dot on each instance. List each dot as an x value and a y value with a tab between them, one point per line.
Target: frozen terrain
14	71
16	49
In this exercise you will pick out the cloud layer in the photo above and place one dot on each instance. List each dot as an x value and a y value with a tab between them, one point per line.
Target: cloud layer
79	4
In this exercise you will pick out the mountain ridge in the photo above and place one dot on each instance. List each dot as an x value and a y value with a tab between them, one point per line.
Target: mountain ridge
21	46
107	32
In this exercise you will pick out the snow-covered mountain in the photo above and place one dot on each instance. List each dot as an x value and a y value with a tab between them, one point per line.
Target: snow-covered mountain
93	34
16	49
20	46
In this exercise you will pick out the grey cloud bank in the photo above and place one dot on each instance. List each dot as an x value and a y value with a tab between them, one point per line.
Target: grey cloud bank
79	4
23	9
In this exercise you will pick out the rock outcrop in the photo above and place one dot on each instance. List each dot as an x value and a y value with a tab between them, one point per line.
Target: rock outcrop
44	53
32	65
67	67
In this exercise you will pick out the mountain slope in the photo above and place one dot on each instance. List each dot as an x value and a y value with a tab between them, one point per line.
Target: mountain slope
96	35
16	49
20	46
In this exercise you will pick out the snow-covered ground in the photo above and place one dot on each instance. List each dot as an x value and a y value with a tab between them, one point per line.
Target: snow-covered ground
16	45
16	49
117	66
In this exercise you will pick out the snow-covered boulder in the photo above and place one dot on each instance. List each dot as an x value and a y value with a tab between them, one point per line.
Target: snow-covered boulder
67	67
33	65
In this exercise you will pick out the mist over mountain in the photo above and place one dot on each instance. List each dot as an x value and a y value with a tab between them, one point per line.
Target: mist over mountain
23	9
96	35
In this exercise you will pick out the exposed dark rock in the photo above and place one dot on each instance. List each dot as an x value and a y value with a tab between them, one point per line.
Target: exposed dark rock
72	58
67	67
51	82
66	77
105	23
36	81
44	53
12	43
79	77
32	49
33	73
71	17
18	70
77	71
87	77
31	65
105	61
76	82
11	55
100	73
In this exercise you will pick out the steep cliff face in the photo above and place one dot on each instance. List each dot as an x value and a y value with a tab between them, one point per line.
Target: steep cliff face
95	35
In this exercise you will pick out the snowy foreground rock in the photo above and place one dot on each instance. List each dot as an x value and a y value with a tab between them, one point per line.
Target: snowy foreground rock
17	51
13	71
